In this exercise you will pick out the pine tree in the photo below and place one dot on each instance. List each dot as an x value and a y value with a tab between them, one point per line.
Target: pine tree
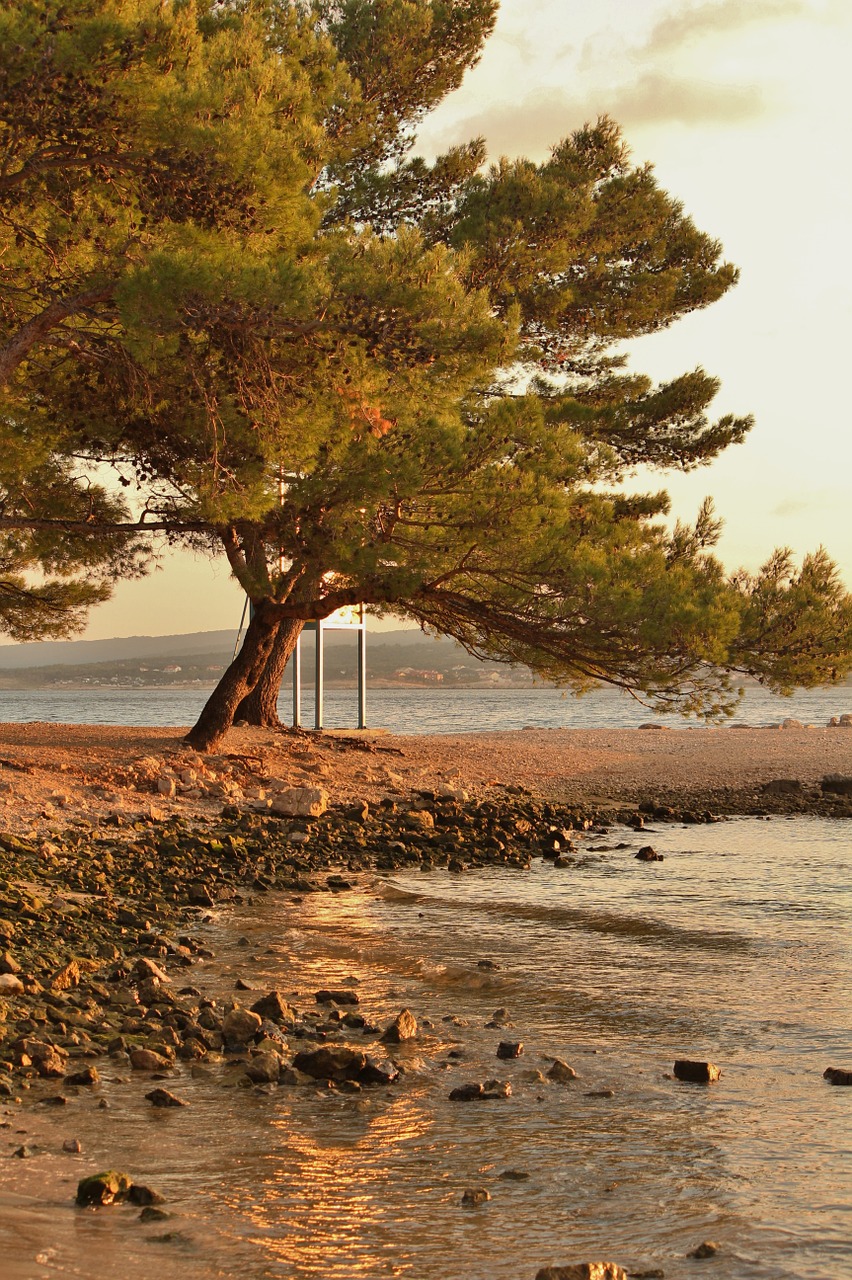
360	377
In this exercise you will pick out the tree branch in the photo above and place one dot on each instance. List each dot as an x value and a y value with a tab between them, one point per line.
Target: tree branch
19	346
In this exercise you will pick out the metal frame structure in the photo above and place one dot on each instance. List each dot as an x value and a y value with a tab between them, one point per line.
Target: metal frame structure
334	623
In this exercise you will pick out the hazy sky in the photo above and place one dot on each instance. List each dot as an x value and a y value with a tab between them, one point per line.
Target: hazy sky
743	107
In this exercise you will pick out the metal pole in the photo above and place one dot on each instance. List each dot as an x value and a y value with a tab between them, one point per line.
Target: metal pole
362	673
319	677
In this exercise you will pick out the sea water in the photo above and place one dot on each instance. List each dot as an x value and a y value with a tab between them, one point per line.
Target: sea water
734	949
415	710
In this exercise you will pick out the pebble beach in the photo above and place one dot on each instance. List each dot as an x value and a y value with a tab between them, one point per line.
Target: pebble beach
122	854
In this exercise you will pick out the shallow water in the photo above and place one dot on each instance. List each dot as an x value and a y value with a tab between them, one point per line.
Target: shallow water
735	949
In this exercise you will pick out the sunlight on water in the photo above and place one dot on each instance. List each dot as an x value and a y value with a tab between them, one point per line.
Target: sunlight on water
734	949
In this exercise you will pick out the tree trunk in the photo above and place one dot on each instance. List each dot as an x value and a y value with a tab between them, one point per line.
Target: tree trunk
240	678
260	707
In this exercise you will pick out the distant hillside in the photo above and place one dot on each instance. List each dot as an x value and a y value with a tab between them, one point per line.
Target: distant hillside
400	657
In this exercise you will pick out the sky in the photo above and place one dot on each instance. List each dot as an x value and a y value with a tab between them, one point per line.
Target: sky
743	107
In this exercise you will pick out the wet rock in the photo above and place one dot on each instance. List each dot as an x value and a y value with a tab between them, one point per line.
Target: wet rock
337	995
331	1063
147	1060
499	1018
146	968
471	1092
600	1093
476	1092
139	1194
263	1068
88	1076
103	1188
496	1089
475	1196
584	1271
514	1175
240	1026
648	854
561	1072
54	1100
49	1060
489	965
377	1073
510	1049
165	1098
73	1146
707	1249
835	1075
696	1072
403	1027
199	895
151	1214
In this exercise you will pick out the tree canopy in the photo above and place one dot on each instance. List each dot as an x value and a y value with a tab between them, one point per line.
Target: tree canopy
228	282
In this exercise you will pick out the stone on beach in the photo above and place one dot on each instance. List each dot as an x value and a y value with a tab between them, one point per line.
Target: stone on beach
707	1249
337	995
165	1098
331	1063
142	1059
263	1068
240	1026
274	1007
403	1027
836	1075
510	1049
87	1076
475	1196
583	1271
696	1072
561	1072
300	802
103	1188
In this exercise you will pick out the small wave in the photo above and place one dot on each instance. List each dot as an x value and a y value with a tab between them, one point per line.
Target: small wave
642	929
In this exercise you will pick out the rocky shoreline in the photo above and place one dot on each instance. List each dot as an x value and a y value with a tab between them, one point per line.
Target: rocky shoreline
103	920
92	919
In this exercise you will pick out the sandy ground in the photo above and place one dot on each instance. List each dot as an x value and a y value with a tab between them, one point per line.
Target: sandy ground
52	775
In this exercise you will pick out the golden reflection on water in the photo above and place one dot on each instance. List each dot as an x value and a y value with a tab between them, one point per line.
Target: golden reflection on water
324	1201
